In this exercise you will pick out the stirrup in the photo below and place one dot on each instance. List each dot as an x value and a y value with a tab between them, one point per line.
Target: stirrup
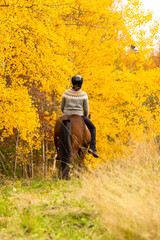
93	152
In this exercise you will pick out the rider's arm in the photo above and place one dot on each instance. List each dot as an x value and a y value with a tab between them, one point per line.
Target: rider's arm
86	107
63	104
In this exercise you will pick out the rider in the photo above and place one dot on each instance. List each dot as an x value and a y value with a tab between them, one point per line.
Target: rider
75	101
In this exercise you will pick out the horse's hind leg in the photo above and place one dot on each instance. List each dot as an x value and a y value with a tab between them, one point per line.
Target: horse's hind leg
79	164
66	171
59	169
82	153
66	167
60	173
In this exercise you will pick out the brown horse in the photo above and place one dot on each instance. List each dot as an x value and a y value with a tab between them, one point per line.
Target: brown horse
72	138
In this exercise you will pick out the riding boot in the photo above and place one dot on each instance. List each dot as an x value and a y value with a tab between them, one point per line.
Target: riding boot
92	130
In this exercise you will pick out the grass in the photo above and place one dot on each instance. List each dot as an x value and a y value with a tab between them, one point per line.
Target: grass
118	201
45	209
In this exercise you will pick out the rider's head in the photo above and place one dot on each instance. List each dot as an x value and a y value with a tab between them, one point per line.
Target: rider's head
77	81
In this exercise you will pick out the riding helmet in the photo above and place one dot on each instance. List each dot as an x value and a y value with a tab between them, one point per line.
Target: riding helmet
77	80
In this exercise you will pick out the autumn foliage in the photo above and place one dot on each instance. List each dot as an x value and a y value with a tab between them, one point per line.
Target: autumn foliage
44	43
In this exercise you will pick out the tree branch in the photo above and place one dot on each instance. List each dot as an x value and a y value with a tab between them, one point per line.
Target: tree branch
4	5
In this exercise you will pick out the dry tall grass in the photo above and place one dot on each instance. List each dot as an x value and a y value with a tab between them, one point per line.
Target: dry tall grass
126	194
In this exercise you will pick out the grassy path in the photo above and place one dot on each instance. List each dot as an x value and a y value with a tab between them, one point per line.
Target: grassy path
120	201
46	209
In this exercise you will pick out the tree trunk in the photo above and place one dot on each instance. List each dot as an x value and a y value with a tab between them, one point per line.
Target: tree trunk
43	157
47	166
31	163
15	163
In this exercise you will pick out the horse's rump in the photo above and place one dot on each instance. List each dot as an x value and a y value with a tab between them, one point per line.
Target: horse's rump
70	136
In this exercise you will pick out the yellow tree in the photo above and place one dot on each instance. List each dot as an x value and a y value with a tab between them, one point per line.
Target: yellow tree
43	43
34	55
101	34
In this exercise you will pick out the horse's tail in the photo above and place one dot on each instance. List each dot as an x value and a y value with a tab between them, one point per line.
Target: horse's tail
66	147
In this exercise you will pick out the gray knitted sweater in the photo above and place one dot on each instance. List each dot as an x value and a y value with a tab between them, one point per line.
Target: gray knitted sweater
75	102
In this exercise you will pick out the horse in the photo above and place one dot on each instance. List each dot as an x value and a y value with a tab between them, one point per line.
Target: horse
72	139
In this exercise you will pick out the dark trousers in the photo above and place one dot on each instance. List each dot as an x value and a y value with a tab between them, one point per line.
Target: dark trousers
92	130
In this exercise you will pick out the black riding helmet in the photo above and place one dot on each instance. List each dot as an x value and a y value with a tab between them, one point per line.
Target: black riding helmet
77	80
